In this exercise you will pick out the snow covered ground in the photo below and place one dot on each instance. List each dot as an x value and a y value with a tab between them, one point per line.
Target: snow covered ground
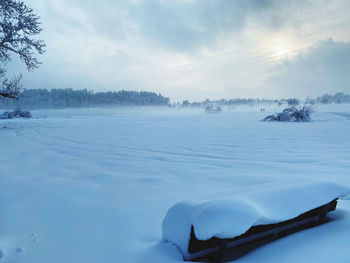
93	185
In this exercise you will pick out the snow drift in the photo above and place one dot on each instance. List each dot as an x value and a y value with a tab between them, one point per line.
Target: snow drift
233	216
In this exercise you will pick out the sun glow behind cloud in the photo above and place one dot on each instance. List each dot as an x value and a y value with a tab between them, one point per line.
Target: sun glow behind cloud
279	49
282	50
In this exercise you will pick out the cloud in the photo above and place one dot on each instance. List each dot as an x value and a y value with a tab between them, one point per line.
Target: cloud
180	25
184	49
323	68
188	25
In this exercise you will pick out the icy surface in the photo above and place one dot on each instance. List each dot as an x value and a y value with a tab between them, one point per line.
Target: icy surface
231	217
94	185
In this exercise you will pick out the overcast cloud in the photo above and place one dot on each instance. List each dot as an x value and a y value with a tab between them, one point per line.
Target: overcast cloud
195	49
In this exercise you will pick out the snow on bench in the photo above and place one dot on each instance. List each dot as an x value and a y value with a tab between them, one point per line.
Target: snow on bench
197	229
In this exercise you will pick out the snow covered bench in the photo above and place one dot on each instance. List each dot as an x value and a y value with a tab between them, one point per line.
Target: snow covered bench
226	229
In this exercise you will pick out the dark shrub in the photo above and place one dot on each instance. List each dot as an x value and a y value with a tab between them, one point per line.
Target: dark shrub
292	114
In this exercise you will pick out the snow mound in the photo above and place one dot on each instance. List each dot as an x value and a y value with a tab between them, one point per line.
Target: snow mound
233	216
15	114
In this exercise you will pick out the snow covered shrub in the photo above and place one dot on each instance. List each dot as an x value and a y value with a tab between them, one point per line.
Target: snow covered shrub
292	114
15	114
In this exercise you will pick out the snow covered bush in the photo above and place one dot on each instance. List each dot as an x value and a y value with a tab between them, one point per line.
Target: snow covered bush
292	114
15	114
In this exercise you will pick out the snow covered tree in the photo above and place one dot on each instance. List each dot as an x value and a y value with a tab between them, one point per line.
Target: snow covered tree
18	26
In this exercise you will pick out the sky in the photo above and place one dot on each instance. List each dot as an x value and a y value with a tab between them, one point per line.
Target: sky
194	49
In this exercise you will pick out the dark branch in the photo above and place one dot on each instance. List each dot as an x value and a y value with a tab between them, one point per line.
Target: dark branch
11	88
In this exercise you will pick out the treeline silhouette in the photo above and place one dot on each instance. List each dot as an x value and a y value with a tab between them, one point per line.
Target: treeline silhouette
69	98
337	98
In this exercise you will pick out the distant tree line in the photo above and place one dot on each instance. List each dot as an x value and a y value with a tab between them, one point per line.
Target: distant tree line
224	102
234	102
339	97
69	98
324	99
65	98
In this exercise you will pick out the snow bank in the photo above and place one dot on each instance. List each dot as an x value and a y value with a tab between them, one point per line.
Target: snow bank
233	216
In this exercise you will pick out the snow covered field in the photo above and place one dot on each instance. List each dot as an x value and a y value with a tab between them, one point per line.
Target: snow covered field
93	185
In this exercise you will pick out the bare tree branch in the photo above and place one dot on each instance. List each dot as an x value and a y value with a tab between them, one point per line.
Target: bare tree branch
18	25
11	88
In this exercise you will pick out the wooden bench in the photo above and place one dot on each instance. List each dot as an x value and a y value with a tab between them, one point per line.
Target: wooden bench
223	250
